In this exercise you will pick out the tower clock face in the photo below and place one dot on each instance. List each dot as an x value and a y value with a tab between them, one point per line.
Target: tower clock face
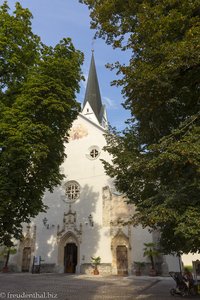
72	191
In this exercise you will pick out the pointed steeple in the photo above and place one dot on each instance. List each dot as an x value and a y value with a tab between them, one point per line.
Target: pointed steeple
92	95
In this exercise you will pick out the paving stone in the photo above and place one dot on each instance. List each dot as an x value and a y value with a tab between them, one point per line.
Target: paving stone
83	287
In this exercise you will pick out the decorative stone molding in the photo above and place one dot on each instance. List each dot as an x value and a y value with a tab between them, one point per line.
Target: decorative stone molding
67	237
107	197
72	191
29	238
115	207
69	225
28	241
120	239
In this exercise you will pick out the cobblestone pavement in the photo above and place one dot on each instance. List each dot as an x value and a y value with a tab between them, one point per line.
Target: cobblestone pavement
83	287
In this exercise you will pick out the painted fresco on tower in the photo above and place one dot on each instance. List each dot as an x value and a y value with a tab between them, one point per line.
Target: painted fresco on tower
77	132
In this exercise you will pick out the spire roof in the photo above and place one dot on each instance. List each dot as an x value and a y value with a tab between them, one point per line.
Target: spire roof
92	94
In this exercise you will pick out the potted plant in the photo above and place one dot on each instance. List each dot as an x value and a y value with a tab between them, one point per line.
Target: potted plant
138	266
95	262
150	251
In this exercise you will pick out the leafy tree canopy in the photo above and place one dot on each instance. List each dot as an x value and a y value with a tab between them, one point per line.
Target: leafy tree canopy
37	108
156	160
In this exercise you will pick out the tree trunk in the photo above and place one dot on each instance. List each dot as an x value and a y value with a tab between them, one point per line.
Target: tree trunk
152	262
7	259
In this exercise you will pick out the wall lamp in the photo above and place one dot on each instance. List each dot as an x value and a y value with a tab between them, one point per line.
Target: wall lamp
47	225
90	219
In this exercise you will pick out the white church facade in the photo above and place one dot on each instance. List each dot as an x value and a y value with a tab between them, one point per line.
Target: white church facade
84	212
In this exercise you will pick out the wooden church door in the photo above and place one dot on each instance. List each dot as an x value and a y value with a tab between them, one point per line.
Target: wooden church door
122	260
26	259
70	258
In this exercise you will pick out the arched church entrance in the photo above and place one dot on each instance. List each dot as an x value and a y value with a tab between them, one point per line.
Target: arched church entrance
120	247
122	260
68	253
26	259
70	258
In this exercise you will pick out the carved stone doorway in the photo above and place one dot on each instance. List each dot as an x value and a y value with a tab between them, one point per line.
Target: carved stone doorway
26	259
70	258
122	260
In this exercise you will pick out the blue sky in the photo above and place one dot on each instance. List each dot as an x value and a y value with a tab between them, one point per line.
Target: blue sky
55	19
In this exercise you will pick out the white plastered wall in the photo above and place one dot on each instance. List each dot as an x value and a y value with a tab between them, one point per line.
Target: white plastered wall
90	174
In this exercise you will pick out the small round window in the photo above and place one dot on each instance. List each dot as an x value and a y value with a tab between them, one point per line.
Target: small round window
93	152
72	190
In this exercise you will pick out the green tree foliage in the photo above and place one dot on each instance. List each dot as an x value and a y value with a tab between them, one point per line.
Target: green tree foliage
37	108
156	160
6	252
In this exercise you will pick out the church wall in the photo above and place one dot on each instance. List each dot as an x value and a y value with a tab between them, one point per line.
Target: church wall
98	199
138	238
92	171
91	177
46	243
